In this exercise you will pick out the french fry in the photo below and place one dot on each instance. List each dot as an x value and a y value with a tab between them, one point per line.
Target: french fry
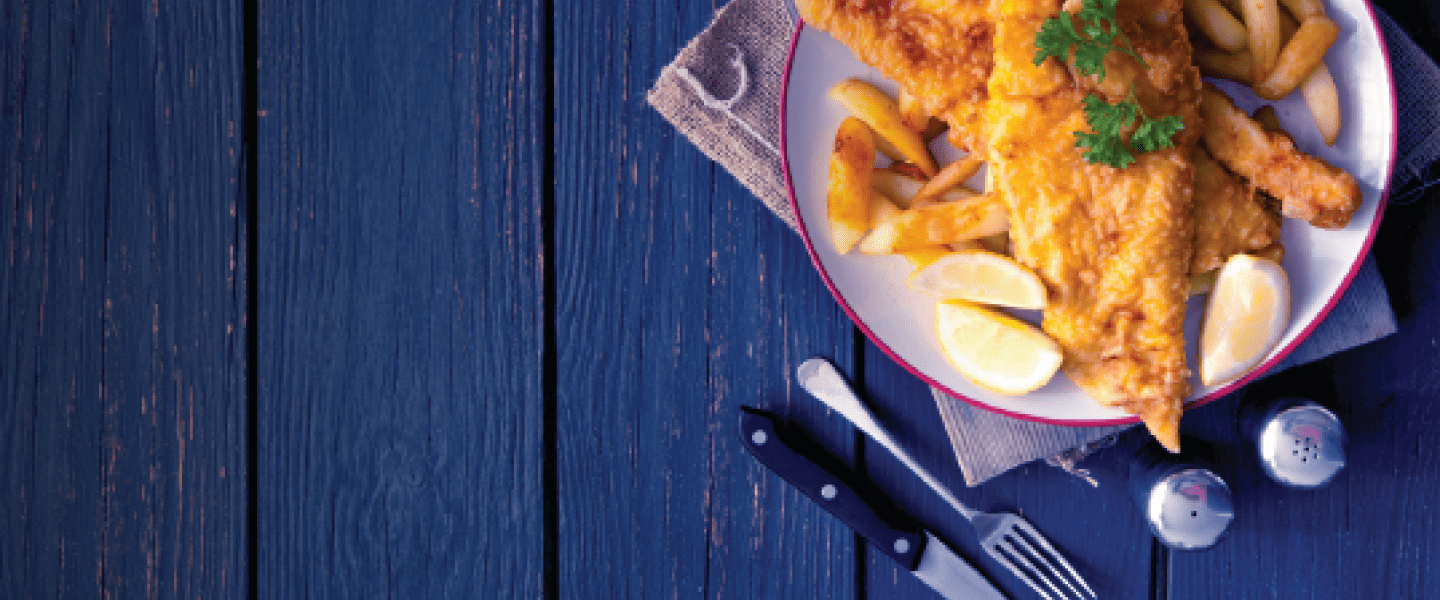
1298	59
899	186
932	131
952	194
1262	21
950	177
848	196
903	188
1216	22
1323	101
908	170
911	112
1214	62
925	256
939	223
888	149
880	111
1304	9
882	208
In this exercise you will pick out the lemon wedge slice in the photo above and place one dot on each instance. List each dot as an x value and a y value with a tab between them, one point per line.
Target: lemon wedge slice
997	352
1248	311
980	276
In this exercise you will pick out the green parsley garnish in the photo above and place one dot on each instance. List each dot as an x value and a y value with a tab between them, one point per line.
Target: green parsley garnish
1097	35
1106	146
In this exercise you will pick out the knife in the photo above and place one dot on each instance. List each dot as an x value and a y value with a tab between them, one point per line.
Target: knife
896	535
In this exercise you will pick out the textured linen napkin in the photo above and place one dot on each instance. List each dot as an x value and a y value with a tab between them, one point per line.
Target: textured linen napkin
723	92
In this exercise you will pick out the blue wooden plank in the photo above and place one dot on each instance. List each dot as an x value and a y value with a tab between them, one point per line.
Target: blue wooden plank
1371	532
174	431
1071	513
678	299
768	312
124	359
401	402
51	296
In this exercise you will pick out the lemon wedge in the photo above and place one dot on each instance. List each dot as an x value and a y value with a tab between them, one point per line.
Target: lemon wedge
980	276
1248	311
997	352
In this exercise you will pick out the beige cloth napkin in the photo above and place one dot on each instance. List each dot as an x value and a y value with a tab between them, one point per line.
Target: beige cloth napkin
723	93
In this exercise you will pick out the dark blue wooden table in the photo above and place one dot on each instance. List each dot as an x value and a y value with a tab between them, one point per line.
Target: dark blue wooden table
421	300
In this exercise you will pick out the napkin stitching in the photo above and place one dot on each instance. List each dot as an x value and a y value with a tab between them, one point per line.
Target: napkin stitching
727	106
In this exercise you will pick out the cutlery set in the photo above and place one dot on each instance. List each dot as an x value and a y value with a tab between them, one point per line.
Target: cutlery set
1186	505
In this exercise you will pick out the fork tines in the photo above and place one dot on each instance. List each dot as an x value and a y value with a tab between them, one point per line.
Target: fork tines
1032	559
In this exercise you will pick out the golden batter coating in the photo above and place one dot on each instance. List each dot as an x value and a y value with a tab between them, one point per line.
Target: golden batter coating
1231	217
1112	245
1308	187
938	50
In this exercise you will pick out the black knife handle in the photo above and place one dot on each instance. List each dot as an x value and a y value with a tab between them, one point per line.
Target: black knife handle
762	438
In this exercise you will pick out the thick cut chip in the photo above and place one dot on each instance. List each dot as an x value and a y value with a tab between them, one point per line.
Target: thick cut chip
848	197
938	223
878	110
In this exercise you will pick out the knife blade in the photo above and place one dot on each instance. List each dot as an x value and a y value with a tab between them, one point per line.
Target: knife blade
896	535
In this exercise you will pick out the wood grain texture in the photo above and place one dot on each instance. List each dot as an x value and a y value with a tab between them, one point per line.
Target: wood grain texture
123	364
1071	513
401	401
768	312
678	299
1372	531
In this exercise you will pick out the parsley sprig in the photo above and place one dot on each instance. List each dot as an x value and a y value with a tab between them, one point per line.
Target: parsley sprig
1097	35
1106	145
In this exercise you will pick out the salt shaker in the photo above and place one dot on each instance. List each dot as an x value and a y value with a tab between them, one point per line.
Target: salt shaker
1187	506
1299	443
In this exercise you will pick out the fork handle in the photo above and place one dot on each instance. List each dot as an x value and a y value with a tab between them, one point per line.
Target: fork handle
825	383
896	537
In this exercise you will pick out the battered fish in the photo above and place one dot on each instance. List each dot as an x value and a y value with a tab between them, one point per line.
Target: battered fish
1112	245
1308	188
1231	217
938	50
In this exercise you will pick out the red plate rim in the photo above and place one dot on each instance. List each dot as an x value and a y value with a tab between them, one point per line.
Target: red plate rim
1201	401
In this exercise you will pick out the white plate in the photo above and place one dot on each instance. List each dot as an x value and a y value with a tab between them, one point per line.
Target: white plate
900	321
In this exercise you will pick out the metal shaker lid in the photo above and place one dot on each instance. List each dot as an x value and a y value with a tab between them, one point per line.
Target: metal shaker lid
1302	446
1189	509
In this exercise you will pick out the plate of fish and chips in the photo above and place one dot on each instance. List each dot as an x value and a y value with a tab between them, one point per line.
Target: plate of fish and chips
1319	261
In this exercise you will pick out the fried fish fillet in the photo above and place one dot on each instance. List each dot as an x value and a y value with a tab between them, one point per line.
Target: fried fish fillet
937	50
1308	188
1231	217
1112	245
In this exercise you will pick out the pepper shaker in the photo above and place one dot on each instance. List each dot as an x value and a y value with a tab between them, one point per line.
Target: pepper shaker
1186	505
1299	443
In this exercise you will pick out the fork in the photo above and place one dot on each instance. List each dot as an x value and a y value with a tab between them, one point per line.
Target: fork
1007	538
